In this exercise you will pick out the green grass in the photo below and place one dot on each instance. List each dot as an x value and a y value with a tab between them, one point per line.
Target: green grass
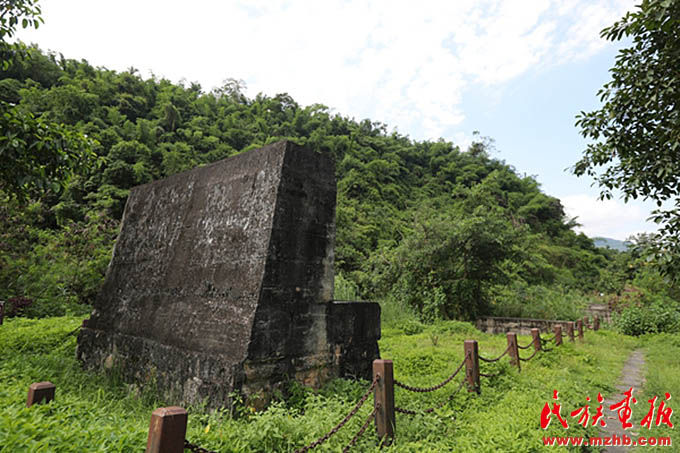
662	362
96	413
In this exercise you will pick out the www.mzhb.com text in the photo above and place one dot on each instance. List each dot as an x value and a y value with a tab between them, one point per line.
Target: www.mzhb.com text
607	441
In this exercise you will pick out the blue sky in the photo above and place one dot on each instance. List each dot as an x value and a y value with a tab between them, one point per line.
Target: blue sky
517	71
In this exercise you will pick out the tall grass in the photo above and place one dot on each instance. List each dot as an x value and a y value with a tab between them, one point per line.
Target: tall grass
100	414
523	301
662	375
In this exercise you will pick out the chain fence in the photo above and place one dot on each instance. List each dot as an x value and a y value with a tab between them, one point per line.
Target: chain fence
471	359
484	359
548	339
72	333
431	409
344	421
361	431
197	449
434	387
193	448
530	357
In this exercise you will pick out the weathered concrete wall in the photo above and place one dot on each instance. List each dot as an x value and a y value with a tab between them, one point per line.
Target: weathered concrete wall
289	332
602	311
222	280
520	326
354	331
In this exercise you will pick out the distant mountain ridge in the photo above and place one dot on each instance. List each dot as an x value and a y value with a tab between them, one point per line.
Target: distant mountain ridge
612	243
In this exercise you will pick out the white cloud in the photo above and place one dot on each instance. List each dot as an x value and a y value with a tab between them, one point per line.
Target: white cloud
580	36
404	63
608	218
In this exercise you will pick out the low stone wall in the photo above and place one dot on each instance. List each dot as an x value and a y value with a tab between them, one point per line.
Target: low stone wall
520	326
601	311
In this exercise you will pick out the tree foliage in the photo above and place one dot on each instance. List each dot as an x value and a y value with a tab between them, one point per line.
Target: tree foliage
428	223
36	154
15	13
445	269
636	133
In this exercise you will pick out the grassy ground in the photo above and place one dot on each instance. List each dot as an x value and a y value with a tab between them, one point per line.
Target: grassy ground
662	355
94	413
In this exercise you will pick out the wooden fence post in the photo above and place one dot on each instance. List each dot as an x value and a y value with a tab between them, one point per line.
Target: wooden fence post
513	350
2	311
383	371
167	430
558	335
586	323
472	365
570	330
579	328
596	323
40	392
536	335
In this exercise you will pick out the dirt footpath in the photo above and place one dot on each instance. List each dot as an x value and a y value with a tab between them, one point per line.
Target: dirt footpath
631	376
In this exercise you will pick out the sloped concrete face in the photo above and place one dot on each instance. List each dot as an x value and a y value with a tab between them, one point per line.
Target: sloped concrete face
288	338
222	280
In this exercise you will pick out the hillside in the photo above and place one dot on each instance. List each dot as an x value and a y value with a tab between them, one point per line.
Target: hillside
613	244
437	229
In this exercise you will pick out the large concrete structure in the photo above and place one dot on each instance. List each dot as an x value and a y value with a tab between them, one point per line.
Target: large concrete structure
221	280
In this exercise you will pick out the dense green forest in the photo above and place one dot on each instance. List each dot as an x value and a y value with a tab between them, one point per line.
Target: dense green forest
426	228
435	233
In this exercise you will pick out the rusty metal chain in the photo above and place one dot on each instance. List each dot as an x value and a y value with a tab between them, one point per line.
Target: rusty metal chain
525	347
405	411
71	333
547	340
435	387
431	409
344	421
361	430
484	359
530	357
195	448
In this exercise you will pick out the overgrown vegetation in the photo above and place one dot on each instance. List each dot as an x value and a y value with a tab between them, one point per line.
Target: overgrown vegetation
427	225
634	137
97	413
648	303
432	231
662	376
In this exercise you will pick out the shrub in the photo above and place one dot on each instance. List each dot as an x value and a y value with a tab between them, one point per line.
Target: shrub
345	289
523	301
411	327
446	266
638	320
59	269
16	306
